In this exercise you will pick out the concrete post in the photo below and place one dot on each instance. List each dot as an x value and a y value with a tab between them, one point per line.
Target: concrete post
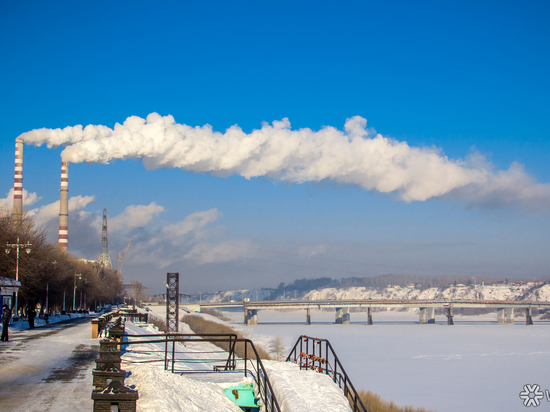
95	328
450	316
115	395
431	315
308	317
251	317
254	318
339	314
423	315
369	316
509	315
500	315
107	371
528	316
109	352
245	316
346	318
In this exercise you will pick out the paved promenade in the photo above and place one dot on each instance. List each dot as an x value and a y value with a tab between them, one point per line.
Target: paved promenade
48	368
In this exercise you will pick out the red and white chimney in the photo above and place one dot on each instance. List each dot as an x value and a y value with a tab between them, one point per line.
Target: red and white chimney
64	207
17	211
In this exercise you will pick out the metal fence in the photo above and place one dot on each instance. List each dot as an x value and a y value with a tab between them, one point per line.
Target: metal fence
178	359
318	355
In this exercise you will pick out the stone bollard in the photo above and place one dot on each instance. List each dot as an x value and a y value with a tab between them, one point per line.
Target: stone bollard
116	332
107	373
108	353
95	328
115	397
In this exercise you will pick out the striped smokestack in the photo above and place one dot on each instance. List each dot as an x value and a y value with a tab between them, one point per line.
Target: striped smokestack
64	207
17	212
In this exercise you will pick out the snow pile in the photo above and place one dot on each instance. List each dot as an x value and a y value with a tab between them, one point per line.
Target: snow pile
302	390
478	292
161	390
23	324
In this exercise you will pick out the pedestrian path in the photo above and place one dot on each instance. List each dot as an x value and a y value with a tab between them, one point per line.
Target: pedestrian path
48	368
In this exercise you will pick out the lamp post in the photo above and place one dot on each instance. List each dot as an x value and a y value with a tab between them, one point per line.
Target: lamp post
17	246
74	291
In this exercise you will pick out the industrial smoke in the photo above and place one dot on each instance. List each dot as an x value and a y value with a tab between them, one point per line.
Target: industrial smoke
355	155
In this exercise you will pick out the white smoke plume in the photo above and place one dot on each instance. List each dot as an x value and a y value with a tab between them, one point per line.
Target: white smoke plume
356	155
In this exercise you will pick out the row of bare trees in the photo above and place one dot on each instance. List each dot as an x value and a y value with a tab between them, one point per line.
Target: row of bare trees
49	274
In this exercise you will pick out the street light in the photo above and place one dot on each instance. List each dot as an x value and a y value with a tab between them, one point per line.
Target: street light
17	246
74	292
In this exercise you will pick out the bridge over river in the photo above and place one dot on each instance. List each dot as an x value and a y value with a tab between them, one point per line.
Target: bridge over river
504	309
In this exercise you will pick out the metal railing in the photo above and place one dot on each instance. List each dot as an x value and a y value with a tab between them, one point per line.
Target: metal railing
135	317
319	355
176	358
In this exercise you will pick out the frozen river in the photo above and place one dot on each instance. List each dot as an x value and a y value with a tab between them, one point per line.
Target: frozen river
475	365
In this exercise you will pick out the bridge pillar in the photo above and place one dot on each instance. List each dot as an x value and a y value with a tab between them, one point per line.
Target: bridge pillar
450	316
308	317
339	315
528	316
423	315
431	315
369	316
346	316
500	315
251	317
509	315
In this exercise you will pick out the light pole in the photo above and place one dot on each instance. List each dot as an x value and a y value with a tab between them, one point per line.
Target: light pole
17	246
74	291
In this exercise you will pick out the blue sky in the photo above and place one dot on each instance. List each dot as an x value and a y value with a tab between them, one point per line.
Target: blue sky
460	77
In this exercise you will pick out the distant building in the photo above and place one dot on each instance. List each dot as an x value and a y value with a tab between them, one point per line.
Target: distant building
8	289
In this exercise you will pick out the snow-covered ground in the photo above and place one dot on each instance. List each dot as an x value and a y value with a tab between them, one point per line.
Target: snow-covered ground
475	365
23	324
159	390
48	369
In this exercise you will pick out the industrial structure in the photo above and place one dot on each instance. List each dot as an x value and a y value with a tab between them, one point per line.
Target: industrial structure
63	240
172	301
104	258
17	212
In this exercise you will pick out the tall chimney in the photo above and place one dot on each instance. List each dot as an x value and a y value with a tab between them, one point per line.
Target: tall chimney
17	211
64	207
